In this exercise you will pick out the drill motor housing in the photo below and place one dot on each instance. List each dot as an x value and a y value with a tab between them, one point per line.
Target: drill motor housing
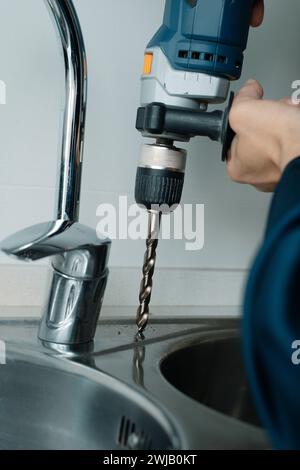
207	36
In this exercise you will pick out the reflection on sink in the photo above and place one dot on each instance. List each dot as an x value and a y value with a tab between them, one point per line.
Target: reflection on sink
48	405
212	373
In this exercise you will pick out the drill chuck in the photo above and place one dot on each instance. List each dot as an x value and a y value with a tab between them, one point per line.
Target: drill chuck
160	177
158	187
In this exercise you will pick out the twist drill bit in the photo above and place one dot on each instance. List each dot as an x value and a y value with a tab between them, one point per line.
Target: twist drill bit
148	270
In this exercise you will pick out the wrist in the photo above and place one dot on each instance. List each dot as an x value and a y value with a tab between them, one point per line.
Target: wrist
289	152
289	142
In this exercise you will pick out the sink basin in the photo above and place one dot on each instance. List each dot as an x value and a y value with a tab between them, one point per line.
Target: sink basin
182	387
46	403
212	373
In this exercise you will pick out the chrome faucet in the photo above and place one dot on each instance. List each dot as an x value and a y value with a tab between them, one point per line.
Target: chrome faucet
79	258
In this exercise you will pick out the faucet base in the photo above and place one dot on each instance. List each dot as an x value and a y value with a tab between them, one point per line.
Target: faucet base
72	309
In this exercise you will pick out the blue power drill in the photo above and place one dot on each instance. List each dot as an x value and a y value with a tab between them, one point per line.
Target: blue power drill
188	65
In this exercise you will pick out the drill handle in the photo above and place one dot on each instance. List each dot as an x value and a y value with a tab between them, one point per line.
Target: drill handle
158	120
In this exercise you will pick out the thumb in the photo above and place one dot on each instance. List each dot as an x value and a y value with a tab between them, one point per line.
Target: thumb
258	13
252	90
242	112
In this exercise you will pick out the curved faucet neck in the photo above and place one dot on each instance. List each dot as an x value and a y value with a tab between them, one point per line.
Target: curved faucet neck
70	35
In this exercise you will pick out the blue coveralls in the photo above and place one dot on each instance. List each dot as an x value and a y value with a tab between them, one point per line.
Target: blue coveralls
271	322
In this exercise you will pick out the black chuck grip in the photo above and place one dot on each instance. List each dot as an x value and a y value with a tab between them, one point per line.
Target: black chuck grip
155	187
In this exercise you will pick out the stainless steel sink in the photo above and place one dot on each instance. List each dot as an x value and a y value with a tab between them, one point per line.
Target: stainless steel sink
182	387
48	405
212	373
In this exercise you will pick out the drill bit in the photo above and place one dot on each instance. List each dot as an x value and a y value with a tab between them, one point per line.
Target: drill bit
148	270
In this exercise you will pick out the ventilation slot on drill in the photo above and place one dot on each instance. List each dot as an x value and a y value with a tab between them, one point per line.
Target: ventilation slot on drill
196	55
130	437
183	54
208	57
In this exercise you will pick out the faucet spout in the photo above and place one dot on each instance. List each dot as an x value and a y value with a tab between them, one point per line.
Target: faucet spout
69	32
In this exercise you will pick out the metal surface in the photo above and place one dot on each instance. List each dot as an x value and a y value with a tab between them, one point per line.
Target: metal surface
95	399
79	274
200	371
47	406
78	279
148	270
72	307
70	37
163	157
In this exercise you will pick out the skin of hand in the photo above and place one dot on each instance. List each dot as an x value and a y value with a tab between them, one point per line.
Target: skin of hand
267	137
258	13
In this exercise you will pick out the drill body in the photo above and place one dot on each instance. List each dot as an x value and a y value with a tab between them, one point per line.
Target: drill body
207	36
196	52
188	65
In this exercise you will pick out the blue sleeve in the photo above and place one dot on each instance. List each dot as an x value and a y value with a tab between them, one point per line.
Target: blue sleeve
271	322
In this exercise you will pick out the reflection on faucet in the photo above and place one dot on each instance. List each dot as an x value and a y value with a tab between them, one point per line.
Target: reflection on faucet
139	354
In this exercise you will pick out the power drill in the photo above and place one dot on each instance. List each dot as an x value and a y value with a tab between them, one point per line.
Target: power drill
188	66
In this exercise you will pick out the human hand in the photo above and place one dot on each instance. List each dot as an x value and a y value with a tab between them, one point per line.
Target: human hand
258	13
267	137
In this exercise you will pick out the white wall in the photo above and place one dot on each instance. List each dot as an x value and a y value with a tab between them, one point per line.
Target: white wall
116	33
